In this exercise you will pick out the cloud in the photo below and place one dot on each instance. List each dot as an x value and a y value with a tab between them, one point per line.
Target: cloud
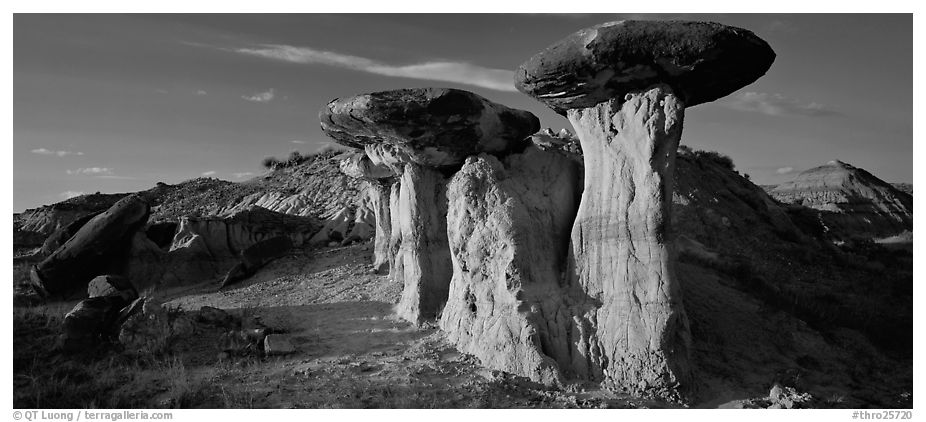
778	105
70	194
200	92
92	170
161	91
242	175
784	170
260	97
208	173
46	151
296	141
445	71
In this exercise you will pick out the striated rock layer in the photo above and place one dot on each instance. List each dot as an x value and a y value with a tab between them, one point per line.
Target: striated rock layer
635	331
508	225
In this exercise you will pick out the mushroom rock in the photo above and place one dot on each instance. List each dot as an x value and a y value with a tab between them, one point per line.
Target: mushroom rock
508	224
624	87
419	133
93	250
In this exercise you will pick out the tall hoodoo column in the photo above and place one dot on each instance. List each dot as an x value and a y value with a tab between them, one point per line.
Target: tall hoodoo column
423	134
624	86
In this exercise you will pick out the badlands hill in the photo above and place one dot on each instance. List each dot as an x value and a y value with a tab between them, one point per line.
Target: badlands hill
315	189
851	202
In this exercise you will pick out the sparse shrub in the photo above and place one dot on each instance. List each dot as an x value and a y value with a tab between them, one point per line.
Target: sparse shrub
270	163
723	160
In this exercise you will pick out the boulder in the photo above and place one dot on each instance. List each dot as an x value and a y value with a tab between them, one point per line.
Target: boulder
96	247
508	224
278	344
91	322
60	236
111	285
624	87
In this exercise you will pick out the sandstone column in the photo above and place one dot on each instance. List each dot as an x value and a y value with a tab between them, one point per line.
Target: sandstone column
423	134
624	86
378	180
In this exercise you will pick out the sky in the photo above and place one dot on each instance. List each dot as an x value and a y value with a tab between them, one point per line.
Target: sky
116	103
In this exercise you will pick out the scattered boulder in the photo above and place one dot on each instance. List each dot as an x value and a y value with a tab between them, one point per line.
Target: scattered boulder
92	251
278	344
508	222
624	87
111	285
150	328
91	322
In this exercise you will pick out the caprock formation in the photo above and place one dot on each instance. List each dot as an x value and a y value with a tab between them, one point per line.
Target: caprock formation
552	278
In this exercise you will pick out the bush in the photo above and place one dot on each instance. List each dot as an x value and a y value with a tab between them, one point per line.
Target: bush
722	160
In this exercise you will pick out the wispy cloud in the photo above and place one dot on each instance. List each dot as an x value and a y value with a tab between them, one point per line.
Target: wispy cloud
200	92
297	141
784	170
70	194
242	175
60	153
261	97
437	70
92	171
778	25
778	105
208	173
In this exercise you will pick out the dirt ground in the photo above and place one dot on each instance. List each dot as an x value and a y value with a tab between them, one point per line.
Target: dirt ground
351	351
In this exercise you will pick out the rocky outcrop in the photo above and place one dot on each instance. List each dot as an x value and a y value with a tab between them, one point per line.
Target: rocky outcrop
417	133
205	248
624	86
256	256
508	224
851	201
60	236
94	250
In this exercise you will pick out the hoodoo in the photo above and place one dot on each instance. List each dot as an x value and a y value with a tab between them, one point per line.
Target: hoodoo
421	134
624	86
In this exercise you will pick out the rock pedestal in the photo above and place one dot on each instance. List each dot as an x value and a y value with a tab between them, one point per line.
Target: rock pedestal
508	224
422	261
621	242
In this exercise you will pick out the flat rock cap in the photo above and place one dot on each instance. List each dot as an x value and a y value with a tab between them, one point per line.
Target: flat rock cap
435	127
700	61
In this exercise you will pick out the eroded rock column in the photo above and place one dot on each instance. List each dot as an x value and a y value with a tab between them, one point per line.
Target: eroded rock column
624	87
508	224
422	261
621	241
